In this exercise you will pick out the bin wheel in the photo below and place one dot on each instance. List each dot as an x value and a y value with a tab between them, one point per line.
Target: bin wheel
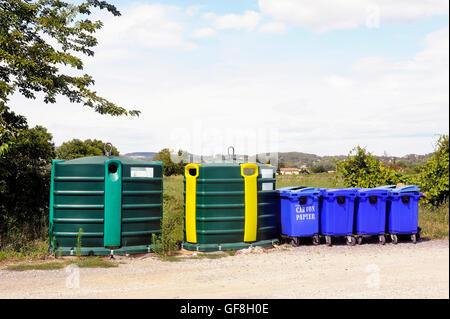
394	239
316	240
414	238
351	240
359	240
295	242
328	240
382	239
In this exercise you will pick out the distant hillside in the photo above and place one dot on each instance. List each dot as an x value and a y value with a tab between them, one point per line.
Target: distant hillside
325	163
312	162
142	155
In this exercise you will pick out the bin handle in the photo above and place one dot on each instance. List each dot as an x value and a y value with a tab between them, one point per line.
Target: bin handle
108	153
232	153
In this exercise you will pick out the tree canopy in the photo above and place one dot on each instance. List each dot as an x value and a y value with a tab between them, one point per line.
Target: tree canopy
24	186
170	167
10	125
434	175
77	148
37	37
363	169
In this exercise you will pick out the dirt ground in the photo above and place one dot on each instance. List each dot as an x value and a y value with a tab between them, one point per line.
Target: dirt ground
367	271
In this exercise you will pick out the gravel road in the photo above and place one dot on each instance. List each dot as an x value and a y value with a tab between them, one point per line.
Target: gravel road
367	271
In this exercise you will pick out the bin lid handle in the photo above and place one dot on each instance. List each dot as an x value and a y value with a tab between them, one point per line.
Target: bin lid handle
231	155
108	153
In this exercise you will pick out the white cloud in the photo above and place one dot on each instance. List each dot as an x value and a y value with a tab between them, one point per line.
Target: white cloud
434	56
145	26
383	104
193	10
248	21
273	27
370	66
338	82
324	15
203	33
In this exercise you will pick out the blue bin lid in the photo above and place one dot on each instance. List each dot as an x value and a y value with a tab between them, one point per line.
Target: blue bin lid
389	187
298	190
328	192
404	189
372	192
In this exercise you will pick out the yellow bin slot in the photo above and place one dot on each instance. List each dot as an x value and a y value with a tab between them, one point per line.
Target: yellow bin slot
251	200
191	172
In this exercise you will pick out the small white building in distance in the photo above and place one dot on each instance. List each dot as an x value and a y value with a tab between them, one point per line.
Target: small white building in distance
289	171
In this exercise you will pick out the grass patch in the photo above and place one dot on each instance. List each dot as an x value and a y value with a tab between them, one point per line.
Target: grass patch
83	262
34	250
231	252
95	262
434	221
171	258
320	180
41	266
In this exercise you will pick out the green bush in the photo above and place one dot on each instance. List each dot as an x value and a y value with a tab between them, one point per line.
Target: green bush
170	167
24	187
362	169
434	175
76	148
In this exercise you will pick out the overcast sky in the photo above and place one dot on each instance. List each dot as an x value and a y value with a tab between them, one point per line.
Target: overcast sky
270	75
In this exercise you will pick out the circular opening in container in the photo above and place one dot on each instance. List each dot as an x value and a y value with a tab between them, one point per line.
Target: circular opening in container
302	200
249	171
192	171
341	199
373	199
112	168
405	199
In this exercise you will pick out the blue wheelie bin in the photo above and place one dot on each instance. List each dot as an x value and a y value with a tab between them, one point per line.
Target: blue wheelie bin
299	208
370	213
402	211
337	207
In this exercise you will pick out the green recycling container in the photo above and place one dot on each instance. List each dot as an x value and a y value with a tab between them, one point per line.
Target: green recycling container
230	206
116	201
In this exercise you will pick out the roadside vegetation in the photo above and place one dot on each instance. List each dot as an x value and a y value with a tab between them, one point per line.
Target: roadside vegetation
85	262
358	169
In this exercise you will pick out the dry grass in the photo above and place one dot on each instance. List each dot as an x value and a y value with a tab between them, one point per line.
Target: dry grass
83	262
434	221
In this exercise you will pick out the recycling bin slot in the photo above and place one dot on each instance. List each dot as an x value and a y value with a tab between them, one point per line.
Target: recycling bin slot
193	171
112	168
249	171
405	199
373	199
341	200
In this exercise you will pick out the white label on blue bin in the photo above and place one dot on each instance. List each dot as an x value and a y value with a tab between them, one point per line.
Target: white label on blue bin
305	209
141	171
266	173
305	212
305	216
267	186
